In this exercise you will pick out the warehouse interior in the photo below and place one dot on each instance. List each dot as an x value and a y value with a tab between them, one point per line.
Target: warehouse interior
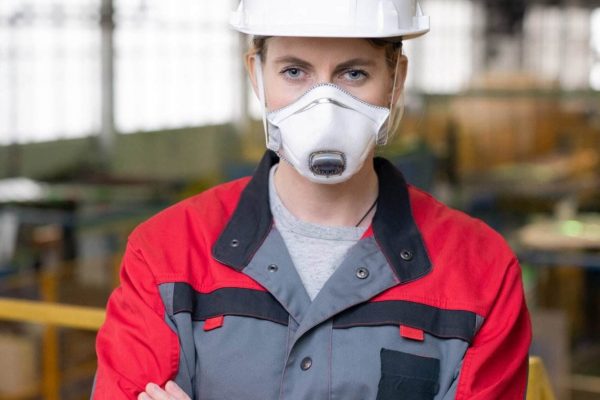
112	110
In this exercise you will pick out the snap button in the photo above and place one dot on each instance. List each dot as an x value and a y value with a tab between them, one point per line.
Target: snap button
406	255
234	243
306	364
362	273
272	268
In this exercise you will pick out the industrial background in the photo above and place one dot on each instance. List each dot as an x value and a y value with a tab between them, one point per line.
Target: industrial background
111	110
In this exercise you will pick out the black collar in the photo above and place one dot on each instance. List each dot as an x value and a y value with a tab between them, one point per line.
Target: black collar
393	224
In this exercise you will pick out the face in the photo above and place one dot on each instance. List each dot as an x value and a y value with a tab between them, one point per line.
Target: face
293	65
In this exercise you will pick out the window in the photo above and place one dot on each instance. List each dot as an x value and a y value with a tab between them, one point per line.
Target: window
49	69
176	64
595	43
443	60
557	44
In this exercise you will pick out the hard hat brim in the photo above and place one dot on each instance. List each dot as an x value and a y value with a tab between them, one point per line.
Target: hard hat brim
396	36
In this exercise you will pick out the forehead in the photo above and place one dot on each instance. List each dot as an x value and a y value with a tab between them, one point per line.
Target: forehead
324	49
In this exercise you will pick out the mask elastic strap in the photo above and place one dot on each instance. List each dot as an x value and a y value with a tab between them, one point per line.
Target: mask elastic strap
420	12
261	94
391	117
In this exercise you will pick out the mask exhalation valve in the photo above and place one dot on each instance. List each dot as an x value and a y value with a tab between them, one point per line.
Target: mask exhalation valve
327	163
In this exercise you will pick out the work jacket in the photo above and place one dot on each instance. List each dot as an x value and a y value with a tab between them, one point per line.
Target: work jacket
427	305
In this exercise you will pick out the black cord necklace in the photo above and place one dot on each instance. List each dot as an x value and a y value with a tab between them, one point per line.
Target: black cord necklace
368	212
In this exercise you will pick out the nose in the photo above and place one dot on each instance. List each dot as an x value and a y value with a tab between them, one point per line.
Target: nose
324	72
325	76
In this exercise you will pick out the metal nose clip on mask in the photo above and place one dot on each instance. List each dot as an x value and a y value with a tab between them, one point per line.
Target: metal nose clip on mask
327	133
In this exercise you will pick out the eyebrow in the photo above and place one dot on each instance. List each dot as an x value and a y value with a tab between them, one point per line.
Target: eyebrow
354	62
291	60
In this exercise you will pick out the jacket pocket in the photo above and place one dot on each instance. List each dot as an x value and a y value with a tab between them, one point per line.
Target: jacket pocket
407	376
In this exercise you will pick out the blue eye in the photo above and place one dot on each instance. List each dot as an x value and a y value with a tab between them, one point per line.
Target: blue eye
355	74
292	73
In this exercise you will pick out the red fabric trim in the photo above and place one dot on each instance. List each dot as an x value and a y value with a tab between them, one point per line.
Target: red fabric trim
213	323
368	233
412	333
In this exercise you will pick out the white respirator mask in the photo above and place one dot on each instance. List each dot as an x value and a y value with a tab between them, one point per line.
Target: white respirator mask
326	134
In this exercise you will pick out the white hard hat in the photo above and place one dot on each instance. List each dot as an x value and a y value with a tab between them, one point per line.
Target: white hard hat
385	19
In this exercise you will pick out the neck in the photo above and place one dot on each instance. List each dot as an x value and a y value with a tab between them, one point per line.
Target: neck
342	204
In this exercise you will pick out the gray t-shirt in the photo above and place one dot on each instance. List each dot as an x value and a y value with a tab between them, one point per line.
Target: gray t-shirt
316	250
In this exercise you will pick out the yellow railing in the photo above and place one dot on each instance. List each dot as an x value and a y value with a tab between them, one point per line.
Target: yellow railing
66	316
53	316
538	385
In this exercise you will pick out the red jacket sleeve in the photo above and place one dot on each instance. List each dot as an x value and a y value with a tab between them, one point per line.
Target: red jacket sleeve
135	345
496	364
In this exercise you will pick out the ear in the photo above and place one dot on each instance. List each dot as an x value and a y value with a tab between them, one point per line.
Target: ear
401	71
250	63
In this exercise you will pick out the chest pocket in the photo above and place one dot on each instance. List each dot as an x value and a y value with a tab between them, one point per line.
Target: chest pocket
407	376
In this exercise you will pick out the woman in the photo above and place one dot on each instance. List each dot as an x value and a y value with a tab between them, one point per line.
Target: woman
324	275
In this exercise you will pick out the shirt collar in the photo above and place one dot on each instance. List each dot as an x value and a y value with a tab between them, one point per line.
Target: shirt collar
393	225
